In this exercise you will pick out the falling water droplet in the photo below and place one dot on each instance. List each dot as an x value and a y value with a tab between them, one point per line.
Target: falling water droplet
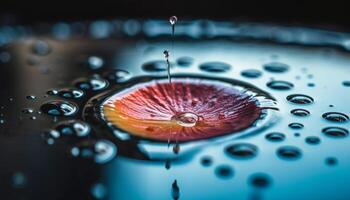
275	137
300	112
280	85
59	108
335	117
175	190
289	152
300	99
336	132
167	164
276	67
166	55
242	150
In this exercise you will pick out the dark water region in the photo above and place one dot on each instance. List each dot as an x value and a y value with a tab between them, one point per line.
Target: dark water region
56	81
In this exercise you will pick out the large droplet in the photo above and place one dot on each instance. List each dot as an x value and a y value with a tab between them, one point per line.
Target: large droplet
336	132
335	117
215	67
280	85
242	150
276	67
289	152
59	108
300	99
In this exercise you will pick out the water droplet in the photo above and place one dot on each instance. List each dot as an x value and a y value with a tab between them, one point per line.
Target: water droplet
176	148
260	180
30	97
215	67
300	112
206	161
280	85
346	83
186	119
251	73
41	48
155	66
95	62
71	93
313	140
175	191
59	108
118	76
224	171
331	161
19	180
167	164
311	84
27	111
50	136
297	134
73	127
101	151
184	61
300	99
52	92
93	83
242	150
276	67
289	152
296	125
275	137
173	20
336	132
98	191
32	117
335	117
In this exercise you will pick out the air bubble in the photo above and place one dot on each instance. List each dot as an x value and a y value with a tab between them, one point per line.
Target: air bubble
30	97
242	150
300	99
186	119
289	152
335	117
27	111
280	85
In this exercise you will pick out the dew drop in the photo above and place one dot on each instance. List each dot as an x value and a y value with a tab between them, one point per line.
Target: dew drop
260	180
224	171
276	67
93	83
251	73
275	137
300	99
289	152
73	127
175	191
280	85
300	112
70	93
59	108
295	125
336	132
242	150
101	151
313	140
215	67
186	119
335	117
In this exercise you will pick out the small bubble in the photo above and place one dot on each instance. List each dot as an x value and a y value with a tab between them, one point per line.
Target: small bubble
295	125
289	152
276	67
331	161
275	137
346	83
313	140
242	150
251	73
300	112
335	117
300	99
215	67
59	108
260	180
280	85
336	132
50	136
99	191
95	62
206	161
224	171
297	134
